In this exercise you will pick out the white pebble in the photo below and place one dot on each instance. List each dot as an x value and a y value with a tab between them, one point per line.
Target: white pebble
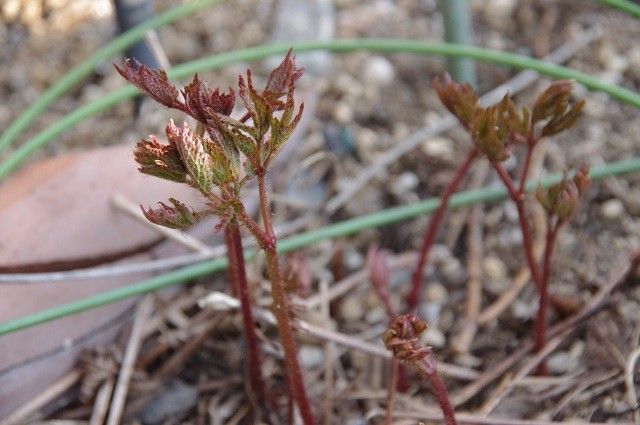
612	209
310	356
405	182
378	70
498	13
435	293
438	147
494	268
351	309
342	113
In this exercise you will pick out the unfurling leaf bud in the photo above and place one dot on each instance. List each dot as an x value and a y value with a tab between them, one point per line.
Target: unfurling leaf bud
196	159
159	160
490	129
177	217
202	102
283	77
154	84
459	99
283	127
582	179
256	104
402	338
553	109
562	198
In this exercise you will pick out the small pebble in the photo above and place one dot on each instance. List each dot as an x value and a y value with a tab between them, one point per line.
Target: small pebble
524	310
405	182
453	271
353	259
467	360
351	309
494	268
438	147
375	315
310	356
498	13
560	363
379	71
342	113
435	293
612	209
175	400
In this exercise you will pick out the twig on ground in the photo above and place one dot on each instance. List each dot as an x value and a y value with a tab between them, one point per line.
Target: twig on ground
329	351
502	391
629	382
128	362
622	274
340	288
461	342
222	301
174	363
101	405
22	415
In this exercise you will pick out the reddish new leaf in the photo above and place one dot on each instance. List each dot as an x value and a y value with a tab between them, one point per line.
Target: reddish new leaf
202	102
157	159
177	217
154	84
459	99
283	76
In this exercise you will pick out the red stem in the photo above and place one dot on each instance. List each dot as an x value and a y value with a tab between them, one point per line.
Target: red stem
518	197
434	223
238	278
541	324
525	167
281	310
393	382
427	369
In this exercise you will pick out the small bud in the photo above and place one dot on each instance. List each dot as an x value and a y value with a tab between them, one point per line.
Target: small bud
202	102
154	84
402	338
257	105
553	107
489	131
159	160
562	198
582	179
283	77
459	99
282	128
177	217
197	160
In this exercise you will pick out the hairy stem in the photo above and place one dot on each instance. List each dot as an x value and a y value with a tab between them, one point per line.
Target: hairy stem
238	278
432	229
541	324
427	369
281	310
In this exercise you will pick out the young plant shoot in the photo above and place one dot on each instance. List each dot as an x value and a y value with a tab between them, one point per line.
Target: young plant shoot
218	158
